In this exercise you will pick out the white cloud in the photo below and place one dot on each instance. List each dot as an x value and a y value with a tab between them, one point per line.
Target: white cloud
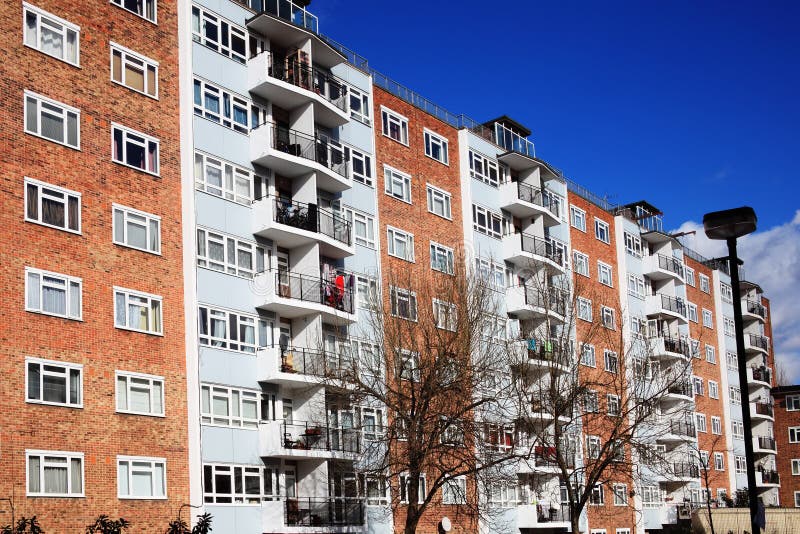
772	260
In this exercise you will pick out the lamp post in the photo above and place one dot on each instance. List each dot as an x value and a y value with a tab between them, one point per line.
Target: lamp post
729	225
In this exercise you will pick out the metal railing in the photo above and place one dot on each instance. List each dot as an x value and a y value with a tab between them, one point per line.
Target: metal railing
319	148
764	408
324	511
288	11
685	470
290	70
770	477
312	289
551	300
304	435
672	304
682	428
512	141
762	374
547	248
681	388
766	442
679	346
547	351
756	308
311	362
310	217
758	341
555	514
671	264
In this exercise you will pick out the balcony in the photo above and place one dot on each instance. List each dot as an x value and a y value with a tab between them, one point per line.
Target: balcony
669	348
291	154
681	471
753	310
295	366
541	354
292	224
759	377
295	295
525	249
767	478
762	410
764	445
662	267
679	431
308	440
756	344
531	516
679	391
529	302
661	305
314	514
526	201
289	82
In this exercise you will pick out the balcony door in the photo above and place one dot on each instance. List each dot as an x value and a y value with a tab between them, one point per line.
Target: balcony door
342	432
282	266
343	489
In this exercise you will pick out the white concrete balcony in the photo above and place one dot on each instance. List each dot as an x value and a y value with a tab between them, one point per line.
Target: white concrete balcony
678	432
762	411
666	306
292	154
313	515
682	472
764	445
540	356
295	295
679	392
767	479
556	518
663	267
526	251
669	348
293	224
756	344
527	201
753	310
308	441
299	367
528	302
759	377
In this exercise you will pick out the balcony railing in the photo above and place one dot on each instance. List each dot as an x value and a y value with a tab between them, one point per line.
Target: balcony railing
682	428
770	477
317	437
551	300
679	346
319	148
310	217
685	470
288	11
312	289
756	308
311	362
292	71
762	374
668	263
555	514
324	512
764	408
672	304
547	248
681	388
547	351
766	442
512	141
758	341
534	195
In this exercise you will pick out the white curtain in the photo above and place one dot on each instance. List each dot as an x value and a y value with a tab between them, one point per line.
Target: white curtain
123	474
140	395
122	393
76	475
34	474
157	397
52	123
52	42
55	475
72	46
34	291
54	299
154	235
74	299
120	305
141	479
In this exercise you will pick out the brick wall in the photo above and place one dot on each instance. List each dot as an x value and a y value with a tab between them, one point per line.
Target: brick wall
786	451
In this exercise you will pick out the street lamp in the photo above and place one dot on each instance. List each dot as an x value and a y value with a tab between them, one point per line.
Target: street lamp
731	225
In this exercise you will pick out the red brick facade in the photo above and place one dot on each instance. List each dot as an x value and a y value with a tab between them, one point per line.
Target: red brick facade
785	419
96	429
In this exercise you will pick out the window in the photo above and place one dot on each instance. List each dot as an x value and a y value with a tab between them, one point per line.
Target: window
360	166
584	309
454	491
140	394
711	354
726	292
792	403
56	383
490	272
737	429
403	303
797	499
371	422
436	147
223	179
577	218
222	329
701	422
400	244
580	263
442	258
51	35
636	286
735	395
52	206
483	168
716	425
363	226
404	489
652	496
607	315
704	285
224	406
445	315
694	348
439	202
593	447
141	478
218	34
604	274
708	320
54	474
228	254
398	184
699	388
713	389
134	70
394	126
53	294
732	360
366	291
452	433
691	312
232	484
144	8
620	494
728	326
359	105
136	229
602	231
623	531
591	403
611	361
597	495
689	276
588	356
137	311
633	245
795	467
409	365
794	434
134	149
226	108
52	120
613	402
486	221
719	461
740	464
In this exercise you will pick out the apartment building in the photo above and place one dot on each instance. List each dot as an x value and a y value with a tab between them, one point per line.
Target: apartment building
93	360
787	438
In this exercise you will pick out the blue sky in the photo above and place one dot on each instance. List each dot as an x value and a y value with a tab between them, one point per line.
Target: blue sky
694	107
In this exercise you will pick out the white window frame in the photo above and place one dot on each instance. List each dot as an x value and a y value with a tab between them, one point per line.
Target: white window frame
795	466
716	425
698	385
440	253
613	401
797	499
210	496
732	360
705	284
633	244
688	273
369	285
422	488
636	286
588	355
395	235
151	316
577	218
69	282
602	231
389	117
55	25
620	497
365	160
434	195
484	168
711	354
701	422
229	265
150	220
445	315
735	394
154	462
491	272
605	274
145	381
729	326
41	195
708	318
794	434
740	463
67	374
597	496
580	263
713	389
454	491
367	221
434	140
235	400
222	45
230	175
411	296
397	179
409	365
792	403
64	113
737	429
584	311
491	217
691	312
146	143
608	317
726	292
215	313
593	446
719	461
611	361
154	20
148	66
42	455
364	115
219	117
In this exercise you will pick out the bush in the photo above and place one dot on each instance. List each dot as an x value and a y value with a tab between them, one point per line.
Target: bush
24	526
105	525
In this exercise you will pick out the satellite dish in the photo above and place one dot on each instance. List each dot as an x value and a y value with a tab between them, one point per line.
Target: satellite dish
446	524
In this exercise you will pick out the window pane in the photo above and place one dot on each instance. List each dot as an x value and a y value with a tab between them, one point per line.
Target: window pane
53	210
119	302
157	396
116	66
158	490
137	231
74	299
54	388
122	393
34	473
122	478
141	479
55	476
31	123
119	226
75	476
139	395
34	289
74	386
34	378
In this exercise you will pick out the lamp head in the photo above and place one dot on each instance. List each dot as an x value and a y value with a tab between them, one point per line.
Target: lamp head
727	224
